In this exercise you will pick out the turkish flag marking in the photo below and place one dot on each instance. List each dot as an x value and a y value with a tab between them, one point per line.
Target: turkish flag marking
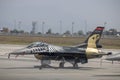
99	28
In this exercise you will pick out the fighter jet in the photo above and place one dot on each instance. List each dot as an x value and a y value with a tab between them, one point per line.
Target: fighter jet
113	57
89	49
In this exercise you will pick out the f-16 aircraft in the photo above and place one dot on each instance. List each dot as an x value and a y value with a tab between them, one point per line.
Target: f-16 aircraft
90	48
113	57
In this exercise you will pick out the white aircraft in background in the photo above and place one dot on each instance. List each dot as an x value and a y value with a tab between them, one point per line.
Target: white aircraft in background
113	57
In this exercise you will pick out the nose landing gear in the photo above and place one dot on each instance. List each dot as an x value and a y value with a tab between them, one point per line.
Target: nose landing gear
61	65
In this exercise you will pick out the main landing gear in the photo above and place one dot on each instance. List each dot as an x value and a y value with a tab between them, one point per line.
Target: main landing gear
61	65
44	63
75	65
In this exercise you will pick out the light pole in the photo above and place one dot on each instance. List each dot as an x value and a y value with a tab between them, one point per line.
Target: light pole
19	25
72	27
105	24
85	27
15	24
43	23
34	27
104	32
61	27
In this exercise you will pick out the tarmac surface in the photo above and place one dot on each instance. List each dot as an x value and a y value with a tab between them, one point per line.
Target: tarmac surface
27	68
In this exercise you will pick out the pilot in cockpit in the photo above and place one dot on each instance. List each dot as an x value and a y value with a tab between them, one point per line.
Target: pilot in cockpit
36	44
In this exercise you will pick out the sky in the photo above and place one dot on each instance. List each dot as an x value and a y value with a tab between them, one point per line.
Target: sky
86	14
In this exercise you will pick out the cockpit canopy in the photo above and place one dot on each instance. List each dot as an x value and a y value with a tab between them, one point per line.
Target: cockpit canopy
37	44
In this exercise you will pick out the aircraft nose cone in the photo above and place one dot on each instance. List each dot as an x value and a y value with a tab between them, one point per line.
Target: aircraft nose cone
18	52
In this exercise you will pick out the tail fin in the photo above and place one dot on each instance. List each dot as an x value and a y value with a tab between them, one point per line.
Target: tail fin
93	39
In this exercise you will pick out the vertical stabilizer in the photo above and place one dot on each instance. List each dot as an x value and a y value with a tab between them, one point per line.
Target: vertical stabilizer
94	37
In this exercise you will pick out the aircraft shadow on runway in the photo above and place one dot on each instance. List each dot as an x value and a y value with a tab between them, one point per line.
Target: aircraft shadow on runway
108	75
51	67
69	67
18	68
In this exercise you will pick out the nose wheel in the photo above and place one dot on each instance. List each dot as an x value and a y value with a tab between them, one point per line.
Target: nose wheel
61	65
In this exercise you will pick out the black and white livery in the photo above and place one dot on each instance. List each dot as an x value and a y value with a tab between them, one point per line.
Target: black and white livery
73	54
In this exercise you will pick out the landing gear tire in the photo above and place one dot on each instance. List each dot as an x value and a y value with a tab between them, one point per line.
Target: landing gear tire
75	65
40	67
43	66
61	65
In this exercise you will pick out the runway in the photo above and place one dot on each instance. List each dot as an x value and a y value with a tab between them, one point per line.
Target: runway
26	68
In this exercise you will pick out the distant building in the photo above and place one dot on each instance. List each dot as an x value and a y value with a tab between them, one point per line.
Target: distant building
4	30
